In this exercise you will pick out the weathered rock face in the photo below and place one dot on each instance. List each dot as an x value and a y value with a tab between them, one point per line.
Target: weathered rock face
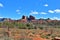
57	38
31	17
24	17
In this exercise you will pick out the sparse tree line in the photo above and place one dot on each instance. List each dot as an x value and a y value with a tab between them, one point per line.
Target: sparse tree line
29	25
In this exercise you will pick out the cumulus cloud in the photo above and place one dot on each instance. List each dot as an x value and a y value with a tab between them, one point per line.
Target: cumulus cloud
43	13
18	11
55	18
34	12
50	11
54	11
57	10
1	5
45	5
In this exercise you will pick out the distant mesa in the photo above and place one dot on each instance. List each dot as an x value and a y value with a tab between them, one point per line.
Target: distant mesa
31	17
4	19
28	19
24	19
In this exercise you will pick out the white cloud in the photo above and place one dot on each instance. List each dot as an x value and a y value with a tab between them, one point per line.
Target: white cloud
18	11
54	11
55	18
1	17
57	10
43	13
50	11
1	5
34	12
45	5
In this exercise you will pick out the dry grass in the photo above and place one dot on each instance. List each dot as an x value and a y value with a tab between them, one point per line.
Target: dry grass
29	34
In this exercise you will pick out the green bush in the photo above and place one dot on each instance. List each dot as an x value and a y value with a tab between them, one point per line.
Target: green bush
53	35
25	38
48	34
44	36
41	28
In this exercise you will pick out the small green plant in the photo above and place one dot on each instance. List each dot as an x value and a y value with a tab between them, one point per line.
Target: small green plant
44	36
48	34
47	37
25	38
41	28
53	35
21	38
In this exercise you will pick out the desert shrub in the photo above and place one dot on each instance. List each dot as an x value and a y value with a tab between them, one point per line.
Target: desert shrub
44	36
28	39
27	25
53	35
22	27
41	33
52	39
48	34
30	28
25	38
41	28
33	32
35	27
21	38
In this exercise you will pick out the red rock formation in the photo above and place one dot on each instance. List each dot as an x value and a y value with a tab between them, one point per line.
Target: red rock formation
32	17
57	38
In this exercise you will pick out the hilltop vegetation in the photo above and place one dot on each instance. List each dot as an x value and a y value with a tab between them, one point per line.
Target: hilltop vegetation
29	23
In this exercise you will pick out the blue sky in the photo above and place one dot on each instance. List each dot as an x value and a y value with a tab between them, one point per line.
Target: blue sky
14	9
